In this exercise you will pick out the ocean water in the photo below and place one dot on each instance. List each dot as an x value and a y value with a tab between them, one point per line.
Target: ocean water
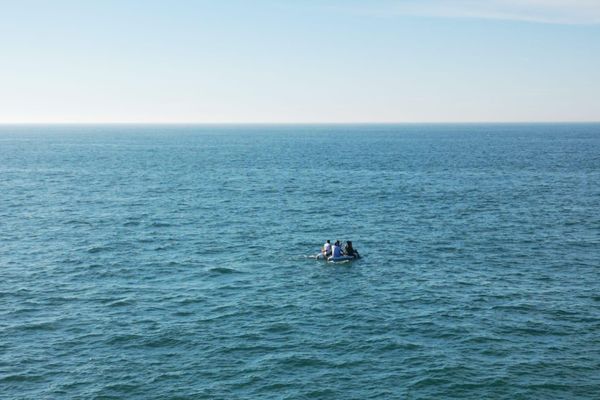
170	262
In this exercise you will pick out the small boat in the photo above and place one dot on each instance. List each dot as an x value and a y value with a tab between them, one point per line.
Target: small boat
341	257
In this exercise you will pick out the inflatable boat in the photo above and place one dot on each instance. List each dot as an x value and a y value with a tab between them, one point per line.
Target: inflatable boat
321	256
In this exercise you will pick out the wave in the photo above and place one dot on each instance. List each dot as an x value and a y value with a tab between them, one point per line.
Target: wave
224	270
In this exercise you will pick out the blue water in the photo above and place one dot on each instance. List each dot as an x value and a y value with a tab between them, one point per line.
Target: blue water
147	262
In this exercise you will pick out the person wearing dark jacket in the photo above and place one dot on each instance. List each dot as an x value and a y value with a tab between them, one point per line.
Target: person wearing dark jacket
349	250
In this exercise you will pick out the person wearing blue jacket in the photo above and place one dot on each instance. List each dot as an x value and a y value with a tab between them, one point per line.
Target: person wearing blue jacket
337	250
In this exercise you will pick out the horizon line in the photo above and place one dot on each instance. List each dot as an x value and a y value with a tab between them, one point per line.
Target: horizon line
296	123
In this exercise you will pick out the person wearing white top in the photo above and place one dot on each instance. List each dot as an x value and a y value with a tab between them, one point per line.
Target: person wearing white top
326	249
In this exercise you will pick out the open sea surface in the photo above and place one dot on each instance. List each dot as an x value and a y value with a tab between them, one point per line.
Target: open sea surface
171	262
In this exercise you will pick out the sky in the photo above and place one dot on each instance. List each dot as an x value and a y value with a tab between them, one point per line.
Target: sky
299	61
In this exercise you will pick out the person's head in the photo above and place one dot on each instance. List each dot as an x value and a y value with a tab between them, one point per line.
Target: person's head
349	243
327	241
337	242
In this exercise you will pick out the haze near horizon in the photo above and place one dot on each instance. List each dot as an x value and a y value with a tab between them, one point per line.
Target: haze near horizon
306	62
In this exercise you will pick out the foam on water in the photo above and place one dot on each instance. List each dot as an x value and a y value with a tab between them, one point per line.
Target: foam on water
163	262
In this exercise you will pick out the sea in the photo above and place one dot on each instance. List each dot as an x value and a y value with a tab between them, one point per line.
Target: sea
174	261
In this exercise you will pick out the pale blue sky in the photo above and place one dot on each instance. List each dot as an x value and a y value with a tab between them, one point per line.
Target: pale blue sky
299	61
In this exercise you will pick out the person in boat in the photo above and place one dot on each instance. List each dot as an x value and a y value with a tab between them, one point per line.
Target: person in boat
349	250
336	251
326	250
